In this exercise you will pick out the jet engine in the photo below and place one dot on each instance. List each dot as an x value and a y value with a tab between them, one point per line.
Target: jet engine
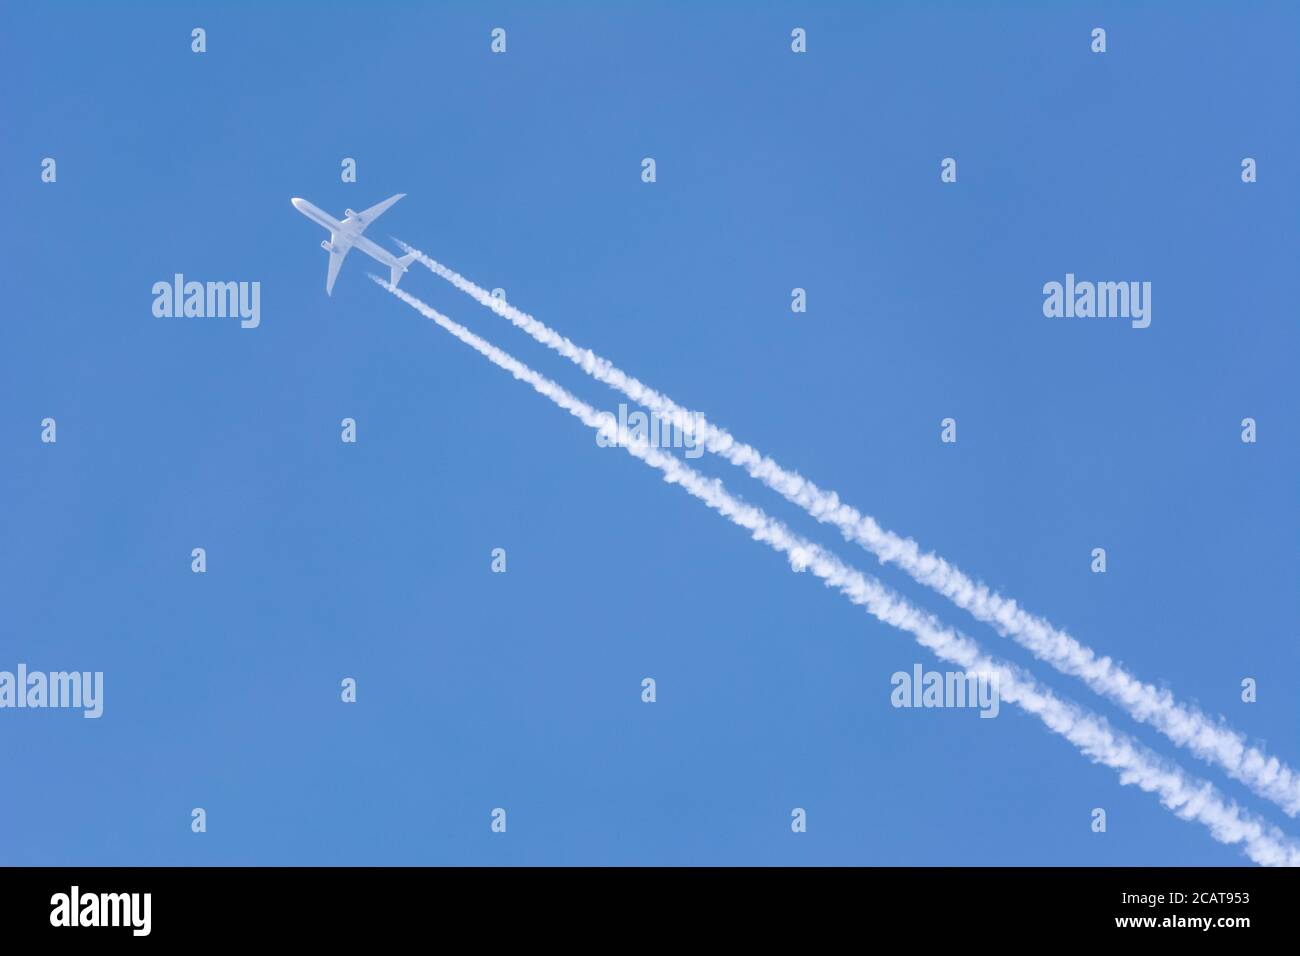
350	214
325	244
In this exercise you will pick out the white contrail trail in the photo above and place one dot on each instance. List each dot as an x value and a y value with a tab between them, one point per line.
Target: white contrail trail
1184	724
1187	797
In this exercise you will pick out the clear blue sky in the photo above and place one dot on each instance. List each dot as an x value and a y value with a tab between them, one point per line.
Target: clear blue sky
522	170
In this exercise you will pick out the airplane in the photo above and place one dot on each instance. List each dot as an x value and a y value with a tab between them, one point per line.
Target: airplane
347	234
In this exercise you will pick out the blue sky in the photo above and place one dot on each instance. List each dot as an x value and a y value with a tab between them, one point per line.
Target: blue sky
775	170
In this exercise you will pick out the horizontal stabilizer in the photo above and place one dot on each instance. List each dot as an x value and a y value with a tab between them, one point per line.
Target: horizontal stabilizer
403	262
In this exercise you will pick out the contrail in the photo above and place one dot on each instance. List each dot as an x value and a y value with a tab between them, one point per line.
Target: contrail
1186	797
1186	725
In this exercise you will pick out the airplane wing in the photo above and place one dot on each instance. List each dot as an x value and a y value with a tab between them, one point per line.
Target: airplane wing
367	216
336	260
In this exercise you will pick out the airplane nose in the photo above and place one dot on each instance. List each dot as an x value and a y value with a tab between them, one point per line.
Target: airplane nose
297	203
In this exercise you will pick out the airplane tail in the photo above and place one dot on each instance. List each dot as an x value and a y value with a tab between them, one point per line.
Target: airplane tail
403	262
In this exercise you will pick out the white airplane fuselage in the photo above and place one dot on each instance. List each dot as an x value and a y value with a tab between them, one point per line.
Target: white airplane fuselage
346	233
